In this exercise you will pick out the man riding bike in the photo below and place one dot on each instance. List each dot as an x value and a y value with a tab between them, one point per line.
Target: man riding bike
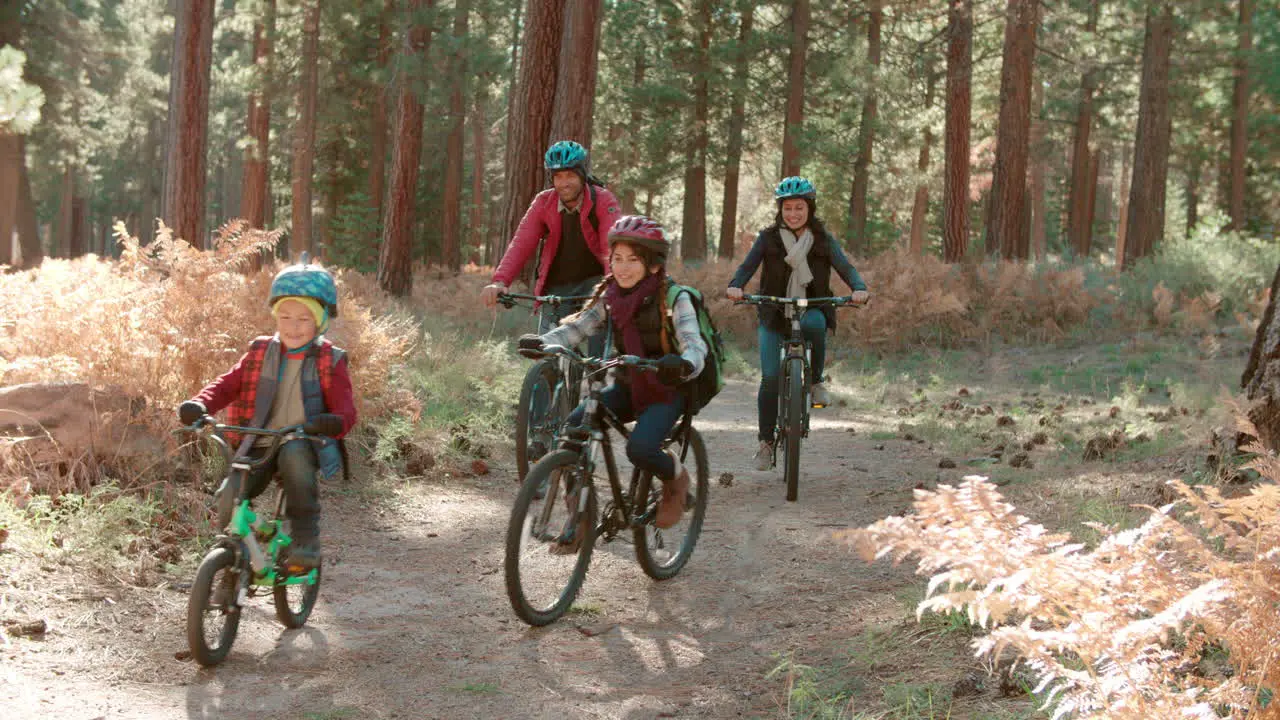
573	217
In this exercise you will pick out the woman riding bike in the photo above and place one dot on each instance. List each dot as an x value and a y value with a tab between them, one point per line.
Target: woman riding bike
630	303
798	255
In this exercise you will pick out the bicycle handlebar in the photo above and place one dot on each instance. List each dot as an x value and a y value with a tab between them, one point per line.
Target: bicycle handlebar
509	300
841	301
208	426
595	364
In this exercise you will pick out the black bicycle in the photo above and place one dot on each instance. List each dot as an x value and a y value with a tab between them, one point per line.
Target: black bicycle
551	535
793	396
550	391
248	557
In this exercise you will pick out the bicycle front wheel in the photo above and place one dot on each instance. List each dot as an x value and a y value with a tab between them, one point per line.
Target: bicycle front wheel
793	430
213	617
536	419
662	553
543	572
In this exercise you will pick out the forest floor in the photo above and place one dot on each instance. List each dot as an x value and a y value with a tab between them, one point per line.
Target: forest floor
774	616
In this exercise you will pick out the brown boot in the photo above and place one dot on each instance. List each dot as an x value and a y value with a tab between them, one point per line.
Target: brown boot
671	506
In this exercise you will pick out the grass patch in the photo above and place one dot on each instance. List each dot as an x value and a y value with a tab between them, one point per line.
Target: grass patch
477	688
587	610
340	713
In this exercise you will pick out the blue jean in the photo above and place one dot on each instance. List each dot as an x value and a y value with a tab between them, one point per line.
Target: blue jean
813	324
653	426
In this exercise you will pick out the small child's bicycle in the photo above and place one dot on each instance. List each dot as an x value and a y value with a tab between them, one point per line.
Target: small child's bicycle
247	557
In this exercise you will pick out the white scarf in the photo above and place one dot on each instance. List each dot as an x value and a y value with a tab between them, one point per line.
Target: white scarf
798	258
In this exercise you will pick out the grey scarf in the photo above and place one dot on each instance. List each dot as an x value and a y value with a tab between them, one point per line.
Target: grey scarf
798	258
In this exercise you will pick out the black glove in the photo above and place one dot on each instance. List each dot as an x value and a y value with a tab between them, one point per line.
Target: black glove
529	345
190	411
673	369
324	424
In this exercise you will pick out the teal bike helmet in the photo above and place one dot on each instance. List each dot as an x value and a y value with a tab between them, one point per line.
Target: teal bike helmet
795	186
566	155
306	280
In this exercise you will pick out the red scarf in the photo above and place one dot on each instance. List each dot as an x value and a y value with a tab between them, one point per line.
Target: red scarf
623	305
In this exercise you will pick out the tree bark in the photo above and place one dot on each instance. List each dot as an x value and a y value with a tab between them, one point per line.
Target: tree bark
1240	116
955	198
1036	182
1151	147
1078	231
451	219
11	159
1091	189
529	114
479	130
858	241
575	97
378	123
693	231
795	85
1006	230
395	262
1261	378
304	135
737	117
920	205
257	155
183	202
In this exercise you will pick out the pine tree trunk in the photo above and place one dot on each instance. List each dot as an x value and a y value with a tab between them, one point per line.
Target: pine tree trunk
693	231
1036	183
479	130
28	226
859	244
1123	212
920	205
576	82
304	134
451	217
529	114
11	160
628	198
183	201
1151	147
1006	230
955	197
737	117
257	155
795	86
1091	190
1261	378
1240	116
395	262
1193	195
1078	232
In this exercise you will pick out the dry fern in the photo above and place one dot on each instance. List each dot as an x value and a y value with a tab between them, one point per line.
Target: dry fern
1116	632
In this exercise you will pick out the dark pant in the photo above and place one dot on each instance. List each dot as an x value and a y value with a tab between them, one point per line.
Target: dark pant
551	316
813	324
297	465
653	426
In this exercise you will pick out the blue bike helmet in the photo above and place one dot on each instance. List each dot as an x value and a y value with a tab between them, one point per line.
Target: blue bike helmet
566	155
795	186
305	280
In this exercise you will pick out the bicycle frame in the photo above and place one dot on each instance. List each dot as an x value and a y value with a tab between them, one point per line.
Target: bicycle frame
246	528
591	439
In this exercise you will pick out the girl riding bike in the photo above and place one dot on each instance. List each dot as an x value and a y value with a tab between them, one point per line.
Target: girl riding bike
629	303
798	255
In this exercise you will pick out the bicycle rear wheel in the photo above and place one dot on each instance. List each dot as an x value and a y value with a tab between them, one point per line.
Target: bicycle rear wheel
662	553
793	429
542	580
537	420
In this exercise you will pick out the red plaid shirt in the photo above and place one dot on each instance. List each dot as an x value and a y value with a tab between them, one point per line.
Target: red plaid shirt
237	389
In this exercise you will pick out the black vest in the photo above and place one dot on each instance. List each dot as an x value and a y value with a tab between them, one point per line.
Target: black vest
649	319
776	272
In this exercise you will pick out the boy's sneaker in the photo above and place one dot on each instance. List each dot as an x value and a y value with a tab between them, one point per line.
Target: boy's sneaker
304	555
818	395
674	492
764	456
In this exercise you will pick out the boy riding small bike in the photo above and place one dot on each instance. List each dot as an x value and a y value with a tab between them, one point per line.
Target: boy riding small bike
295	376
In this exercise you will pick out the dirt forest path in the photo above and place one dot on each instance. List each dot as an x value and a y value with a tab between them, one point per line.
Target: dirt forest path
413	621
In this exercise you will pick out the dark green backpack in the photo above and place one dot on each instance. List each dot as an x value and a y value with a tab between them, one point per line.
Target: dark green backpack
710	381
